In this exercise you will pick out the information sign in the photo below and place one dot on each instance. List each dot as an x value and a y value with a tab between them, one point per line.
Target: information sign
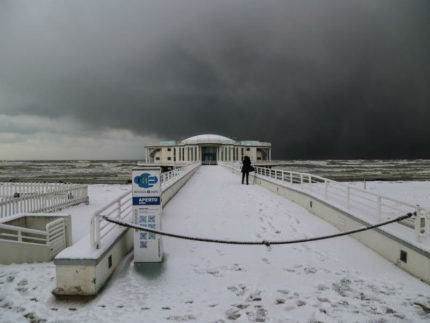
146	184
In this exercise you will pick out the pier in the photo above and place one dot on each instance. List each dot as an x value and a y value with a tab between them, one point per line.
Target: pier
201	281
213	199
214	204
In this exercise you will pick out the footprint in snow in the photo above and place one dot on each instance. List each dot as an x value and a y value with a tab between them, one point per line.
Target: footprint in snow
323	299
254	297
236	267
290	270
211	271
322	287
300	303
232	314
310	270
238	290
181	318
23	282
258	316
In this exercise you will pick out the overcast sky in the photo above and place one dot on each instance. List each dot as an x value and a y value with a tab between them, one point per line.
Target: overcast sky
88	79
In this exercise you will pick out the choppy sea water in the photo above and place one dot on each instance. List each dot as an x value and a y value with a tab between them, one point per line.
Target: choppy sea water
119	171
360	169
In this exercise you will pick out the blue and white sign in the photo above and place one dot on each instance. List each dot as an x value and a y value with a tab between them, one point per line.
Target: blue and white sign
151	200
146	186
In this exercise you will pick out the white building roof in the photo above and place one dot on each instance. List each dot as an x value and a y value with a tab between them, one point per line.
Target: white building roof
208	138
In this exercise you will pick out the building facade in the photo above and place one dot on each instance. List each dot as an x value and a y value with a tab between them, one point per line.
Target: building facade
209	149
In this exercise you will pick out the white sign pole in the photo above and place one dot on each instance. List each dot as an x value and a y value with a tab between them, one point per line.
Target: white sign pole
146	184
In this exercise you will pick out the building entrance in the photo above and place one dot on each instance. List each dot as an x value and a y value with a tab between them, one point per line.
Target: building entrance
209	156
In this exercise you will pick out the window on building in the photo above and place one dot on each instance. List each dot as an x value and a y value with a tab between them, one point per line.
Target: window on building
247	149
157	158
169	149
169	158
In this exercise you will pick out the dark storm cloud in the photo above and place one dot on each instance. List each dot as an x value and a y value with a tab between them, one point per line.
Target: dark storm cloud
325	78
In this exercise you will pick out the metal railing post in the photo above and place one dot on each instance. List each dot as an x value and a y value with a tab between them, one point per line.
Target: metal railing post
95	231
379	207
118	209
326	189
348	197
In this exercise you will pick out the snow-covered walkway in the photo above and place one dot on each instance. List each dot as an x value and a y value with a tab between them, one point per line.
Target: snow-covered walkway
333	280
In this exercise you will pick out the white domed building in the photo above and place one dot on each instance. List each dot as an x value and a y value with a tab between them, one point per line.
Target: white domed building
209	149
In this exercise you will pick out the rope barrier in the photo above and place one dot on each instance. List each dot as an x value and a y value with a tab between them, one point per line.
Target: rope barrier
264	242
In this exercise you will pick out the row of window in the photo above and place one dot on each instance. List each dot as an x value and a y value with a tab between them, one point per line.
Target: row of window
192	153
232	153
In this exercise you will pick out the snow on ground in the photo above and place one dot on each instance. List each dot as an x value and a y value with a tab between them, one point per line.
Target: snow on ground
332	280
100	195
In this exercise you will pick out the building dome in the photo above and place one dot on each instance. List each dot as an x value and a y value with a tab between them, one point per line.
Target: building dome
202	139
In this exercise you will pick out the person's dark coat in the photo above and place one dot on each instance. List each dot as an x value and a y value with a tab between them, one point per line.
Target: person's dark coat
246	168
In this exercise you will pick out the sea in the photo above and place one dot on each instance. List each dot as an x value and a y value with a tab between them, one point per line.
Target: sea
119	171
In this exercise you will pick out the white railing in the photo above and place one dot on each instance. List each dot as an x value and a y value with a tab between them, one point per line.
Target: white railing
121	208
369	205
54	235
39	197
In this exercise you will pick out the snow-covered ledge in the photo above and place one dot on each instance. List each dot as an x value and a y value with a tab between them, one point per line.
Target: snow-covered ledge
395	242
83	270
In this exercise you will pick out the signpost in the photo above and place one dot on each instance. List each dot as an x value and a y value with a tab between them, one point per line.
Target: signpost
146	184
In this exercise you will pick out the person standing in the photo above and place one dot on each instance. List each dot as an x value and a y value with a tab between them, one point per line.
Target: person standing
246	168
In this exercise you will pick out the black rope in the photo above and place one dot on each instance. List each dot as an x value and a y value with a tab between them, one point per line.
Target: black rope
264	242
